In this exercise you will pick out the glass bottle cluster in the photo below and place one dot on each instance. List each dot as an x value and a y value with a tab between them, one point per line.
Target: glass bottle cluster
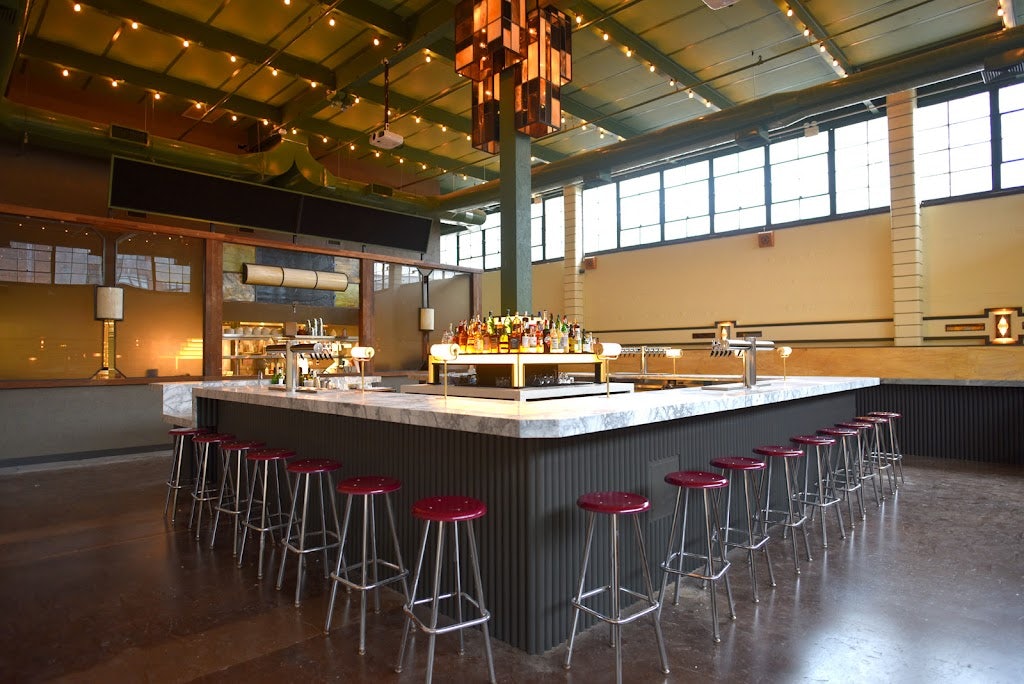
519	334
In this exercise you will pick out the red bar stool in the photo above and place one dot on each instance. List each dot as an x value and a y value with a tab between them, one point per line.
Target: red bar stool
823	495
846	473
864	464
181	435
232	489
792	517
204	491
305	470
876	455
615	504
755	539
714	563
894	453
369	488
447	510
265	462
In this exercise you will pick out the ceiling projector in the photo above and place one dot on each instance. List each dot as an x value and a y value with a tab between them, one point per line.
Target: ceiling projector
386	139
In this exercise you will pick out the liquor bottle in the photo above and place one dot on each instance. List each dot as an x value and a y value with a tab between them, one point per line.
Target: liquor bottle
546	338
503	333
572	340
463	338
515	336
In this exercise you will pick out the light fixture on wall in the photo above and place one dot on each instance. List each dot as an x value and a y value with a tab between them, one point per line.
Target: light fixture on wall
724	329
494	35
1003	322
109	308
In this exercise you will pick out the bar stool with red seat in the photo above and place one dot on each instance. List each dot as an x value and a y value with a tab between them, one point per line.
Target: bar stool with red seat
894	453
305	470
265	462
447	510
232	490
876	455
823	494
846	476
204	491
714	562
370	488
614	505
182	436
864	463
793	516
756	539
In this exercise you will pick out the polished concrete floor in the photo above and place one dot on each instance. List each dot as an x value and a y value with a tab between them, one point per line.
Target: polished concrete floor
97	587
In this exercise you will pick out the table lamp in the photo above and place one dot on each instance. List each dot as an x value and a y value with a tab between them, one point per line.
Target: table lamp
607	351
361	355
445	353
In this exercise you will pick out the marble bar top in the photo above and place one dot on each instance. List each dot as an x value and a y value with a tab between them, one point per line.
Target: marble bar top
538	419
178	407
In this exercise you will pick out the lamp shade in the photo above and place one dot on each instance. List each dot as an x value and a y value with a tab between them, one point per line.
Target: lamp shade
257	274
362	353
444	352
109	303
608	350
426	319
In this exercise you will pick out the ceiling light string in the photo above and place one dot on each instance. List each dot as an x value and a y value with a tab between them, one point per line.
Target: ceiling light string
278	52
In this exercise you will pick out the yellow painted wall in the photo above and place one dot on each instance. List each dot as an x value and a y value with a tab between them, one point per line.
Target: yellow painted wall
836	270
974	256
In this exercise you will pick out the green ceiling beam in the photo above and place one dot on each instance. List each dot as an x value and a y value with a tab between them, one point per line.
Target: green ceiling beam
162	20
72	58
801	12
435	162
572	104
647	51
373	16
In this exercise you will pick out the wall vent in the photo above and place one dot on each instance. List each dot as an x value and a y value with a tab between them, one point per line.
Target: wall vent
129	135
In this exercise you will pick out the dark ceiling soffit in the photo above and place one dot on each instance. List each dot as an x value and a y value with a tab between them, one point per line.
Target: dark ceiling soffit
771	112
214	38
63	55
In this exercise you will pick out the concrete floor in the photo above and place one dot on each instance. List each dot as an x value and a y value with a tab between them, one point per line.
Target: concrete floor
98	588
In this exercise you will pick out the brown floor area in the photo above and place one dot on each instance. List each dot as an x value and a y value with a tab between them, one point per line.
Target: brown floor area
98	588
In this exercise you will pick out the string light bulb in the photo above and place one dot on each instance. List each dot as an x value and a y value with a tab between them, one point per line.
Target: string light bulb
77	7
233	59
135	25
273	72
331	22
352	147
376	41
185	43
65	73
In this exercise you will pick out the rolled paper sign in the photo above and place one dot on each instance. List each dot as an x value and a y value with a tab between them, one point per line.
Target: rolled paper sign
444	352
608	350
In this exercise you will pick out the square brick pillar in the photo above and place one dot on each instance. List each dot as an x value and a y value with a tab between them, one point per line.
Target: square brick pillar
572	278
905	222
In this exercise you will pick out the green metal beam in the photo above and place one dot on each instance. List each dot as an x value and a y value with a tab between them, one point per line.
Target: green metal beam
572	104
208	36
801	12
645	50
321	127
374	16
73	58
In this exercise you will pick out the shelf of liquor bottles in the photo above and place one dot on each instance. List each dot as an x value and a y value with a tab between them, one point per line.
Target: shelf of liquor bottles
519	334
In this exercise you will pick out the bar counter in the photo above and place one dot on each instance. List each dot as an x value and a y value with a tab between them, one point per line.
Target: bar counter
529	461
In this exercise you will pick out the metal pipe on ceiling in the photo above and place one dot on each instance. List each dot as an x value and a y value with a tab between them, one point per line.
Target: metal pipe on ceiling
771	112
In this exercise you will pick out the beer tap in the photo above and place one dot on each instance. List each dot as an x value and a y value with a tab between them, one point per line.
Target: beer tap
748	347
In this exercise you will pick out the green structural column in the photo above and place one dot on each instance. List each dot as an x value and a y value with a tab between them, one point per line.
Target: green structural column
514	167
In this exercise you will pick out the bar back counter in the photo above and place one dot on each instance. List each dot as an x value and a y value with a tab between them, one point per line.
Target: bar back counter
529	462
